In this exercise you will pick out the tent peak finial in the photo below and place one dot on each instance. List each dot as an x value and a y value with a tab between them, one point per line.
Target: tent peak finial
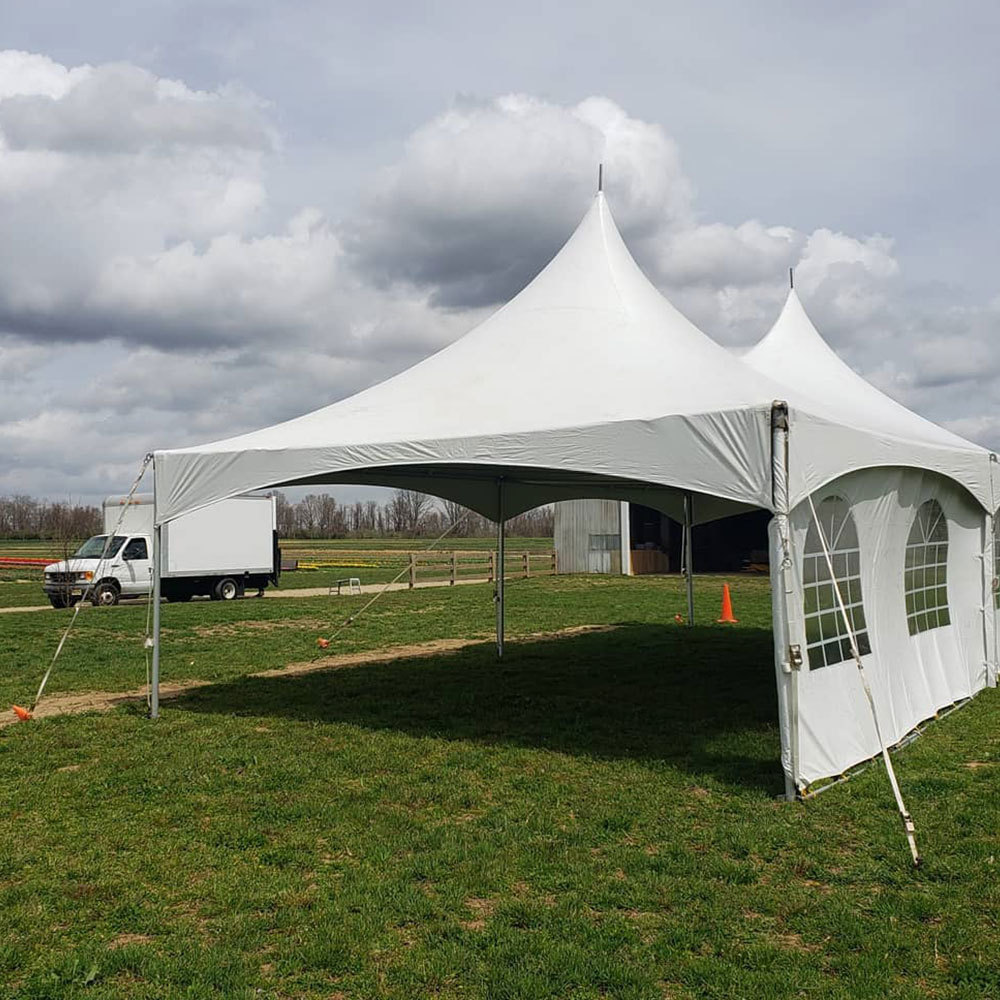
791	278
600	177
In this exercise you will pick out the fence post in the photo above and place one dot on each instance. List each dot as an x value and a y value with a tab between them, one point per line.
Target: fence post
524	563
490	573
555	564
413	570
454	566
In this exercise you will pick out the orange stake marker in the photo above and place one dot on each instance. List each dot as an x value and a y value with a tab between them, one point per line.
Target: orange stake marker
22	713
727	608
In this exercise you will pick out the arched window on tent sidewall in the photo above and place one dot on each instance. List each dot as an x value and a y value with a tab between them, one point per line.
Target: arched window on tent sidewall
926	578
827	639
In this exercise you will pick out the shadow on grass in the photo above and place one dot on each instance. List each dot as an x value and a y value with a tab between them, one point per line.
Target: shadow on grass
701	700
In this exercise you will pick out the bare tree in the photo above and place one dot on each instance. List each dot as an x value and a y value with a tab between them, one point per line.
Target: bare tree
406	511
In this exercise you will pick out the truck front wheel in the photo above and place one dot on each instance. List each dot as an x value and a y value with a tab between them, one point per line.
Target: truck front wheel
105	595
227	589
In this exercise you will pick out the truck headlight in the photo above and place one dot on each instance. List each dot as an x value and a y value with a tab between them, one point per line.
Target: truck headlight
84	577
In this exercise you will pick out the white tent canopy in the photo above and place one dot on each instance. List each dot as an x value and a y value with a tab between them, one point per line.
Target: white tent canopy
587	383
590	384
816	379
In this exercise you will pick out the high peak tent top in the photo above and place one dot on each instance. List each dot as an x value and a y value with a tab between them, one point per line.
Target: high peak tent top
795	353
588	383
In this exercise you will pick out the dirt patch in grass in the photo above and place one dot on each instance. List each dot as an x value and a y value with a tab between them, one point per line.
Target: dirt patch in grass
230	629
791	941
481	910
98	701
124	940
103	701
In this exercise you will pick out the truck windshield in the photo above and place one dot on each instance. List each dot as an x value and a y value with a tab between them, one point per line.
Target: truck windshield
93	547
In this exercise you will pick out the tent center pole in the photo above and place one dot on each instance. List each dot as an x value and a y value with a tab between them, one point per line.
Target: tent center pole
499	592
687	555
154	693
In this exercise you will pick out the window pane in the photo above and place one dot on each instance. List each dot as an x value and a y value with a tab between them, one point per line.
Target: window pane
827	634
925	570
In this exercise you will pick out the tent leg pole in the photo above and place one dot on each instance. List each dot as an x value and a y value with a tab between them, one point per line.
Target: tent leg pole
501	539
780	556
154	694
686	545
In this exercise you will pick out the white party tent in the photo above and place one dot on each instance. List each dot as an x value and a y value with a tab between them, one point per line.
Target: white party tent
590	384
913	549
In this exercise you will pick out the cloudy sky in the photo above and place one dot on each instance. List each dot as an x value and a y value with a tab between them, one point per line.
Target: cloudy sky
217	215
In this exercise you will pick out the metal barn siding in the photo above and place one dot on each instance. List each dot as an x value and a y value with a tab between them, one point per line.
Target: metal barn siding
588	536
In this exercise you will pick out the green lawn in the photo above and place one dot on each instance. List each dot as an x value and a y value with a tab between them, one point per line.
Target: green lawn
593	817
21	588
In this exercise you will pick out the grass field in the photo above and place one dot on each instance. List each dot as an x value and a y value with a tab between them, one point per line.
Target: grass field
594	817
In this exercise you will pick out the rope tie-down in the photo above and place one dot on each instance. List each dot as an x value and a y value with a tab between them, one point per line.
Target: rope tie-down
324	643
907	819
24	714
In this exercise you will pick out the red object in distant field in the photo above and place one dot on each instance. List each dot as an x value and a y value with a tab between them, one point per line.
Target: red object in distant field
322	643
22	713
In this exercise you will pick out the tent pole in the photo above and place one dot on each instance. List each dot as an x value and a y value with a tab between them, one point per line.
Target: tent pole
781	584
501	533
688	554
990	617
625	536
154	694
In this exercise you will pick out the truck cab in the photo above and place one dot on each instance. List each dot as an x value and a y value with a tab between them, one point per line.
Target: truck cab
126	569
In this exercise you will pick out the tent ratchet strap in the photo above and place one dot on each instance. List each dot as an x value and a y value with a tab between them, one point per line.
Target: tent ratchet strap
93	581
908	824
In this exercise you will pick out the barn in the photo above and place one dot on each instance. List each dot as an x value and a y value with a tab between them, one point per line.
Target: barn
608	536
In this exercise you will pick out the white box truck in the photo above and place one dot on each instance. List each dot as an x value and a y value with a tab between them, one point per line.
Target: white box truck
219	551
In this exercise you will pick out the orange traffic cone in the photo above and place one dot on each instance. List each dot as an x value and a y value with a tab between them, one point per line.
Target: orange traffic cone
22	713
727	608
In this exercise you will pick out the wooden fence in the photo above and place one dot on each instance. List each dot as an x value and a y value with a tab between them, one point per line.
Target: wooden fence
454	567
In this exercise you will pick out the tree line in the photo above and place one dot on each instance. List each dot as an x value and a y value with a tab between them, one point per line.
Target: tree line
25	517
405	514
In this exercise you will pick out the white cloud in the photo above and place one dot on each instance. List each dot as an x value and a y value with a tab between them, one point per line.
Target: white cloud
28	74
